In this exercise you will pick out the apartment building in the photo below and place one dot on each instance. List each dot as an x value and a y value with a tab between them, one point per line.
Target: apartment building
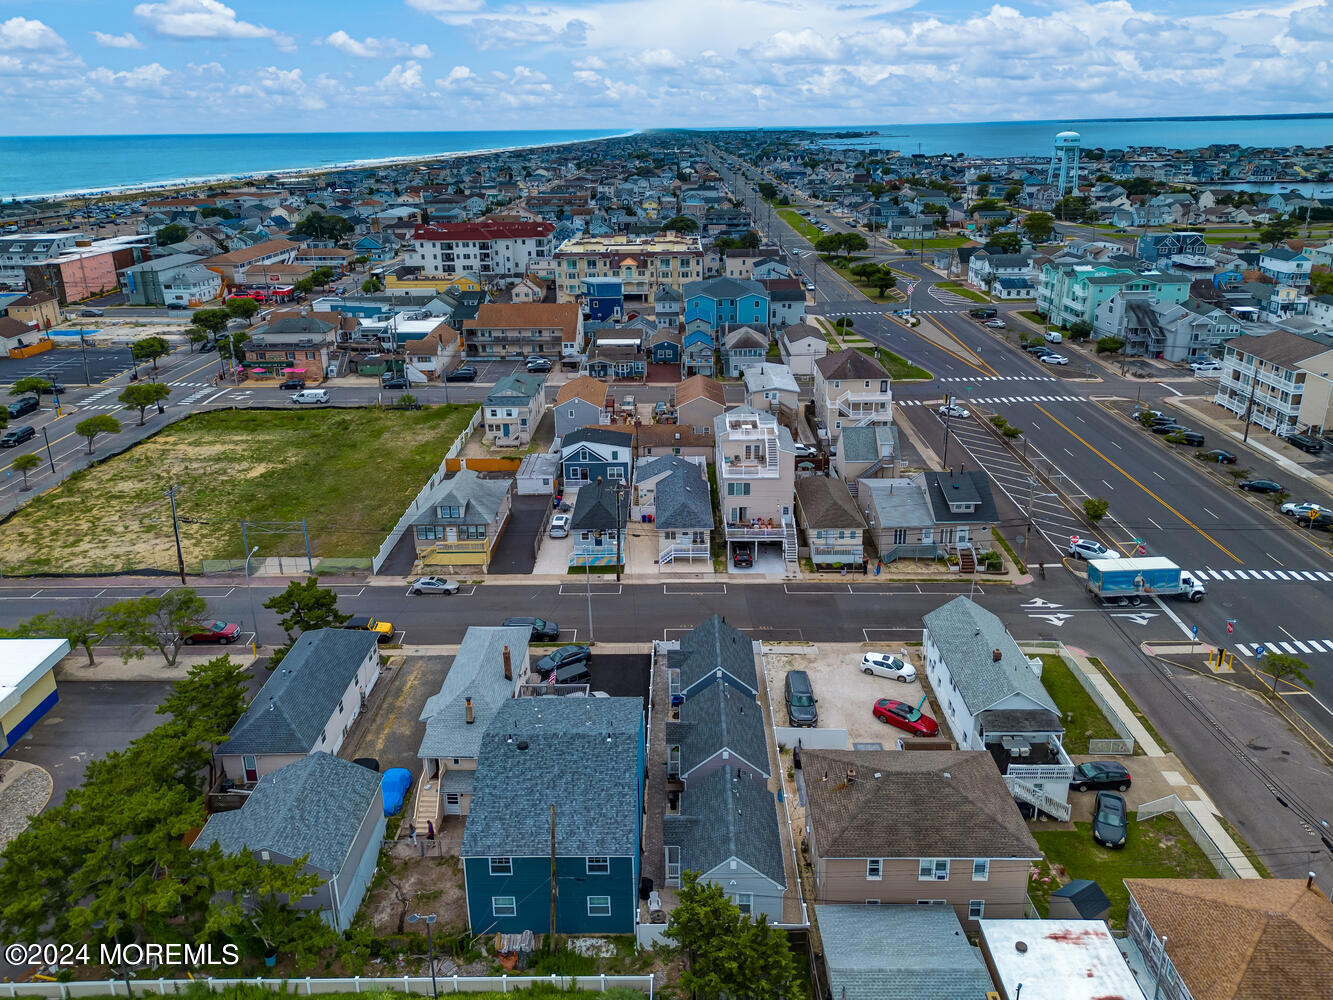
521	329
490	249
1071	293
755	459
642	263
234	264
1282	380
16	252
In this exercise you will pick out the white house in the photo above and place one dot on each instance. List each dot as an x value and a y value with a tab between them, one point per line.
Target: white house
801	345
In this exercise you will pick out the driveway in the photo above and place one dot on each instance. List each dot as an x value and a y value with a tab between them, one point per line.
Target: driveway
516	552
391	728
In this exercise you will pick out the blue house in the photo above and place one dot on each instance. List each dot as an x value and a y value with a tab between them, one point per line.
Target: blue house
574	762
1153	247
603	298
698	353
598	524
377	248
664	346
720	301
591	453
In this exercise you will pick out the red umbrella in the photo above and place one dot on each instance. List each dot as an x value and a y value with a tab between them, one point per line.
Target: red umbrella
292	371
259	371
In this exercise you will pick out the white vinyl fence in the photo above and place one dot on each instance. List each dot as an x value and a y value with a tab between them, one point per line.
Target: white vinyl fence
311	986
1172	804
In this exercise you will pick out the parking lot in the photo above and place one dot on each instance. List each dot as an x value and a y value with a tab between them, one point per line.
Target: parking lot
65	364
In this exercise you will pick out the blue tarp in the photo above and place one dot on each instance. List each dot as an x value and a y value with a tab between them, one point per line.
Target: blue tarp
393	788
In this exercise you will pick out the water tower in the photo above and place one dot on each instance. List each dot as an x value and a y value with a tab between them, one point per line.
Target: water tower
1065	155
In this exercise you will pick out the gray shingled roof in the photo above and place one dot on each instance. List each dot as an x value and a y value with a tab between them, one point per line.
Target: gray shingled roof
899	952
723	817
970	486
827	503
850	364
518	385
595	507
895	503
477	673
711	645
597	435
943	804
301	695
1279	347
720	717
479	499
683	501
966	635
652	467
313	806
580	754
723	288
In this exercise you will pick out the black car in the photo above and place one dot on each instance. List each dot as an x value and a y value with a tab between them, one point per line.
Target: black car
293	383
1220	456
395	382
177	305
983	312
1038	349
1100	774
21	406
538	365
1169	427
15	436
542	630
1306	443
565	656
1323	520
464	373
1110	819
742	557
53	387
1192	437
573	673
1260	486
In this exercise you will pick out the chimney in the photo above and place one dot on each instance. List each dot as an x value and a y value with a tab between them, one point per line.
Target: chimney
509	666
995	656
468	716
851	773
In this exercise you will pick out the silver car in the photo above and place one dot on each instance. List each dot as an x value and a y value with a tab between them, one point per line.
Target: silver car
434	585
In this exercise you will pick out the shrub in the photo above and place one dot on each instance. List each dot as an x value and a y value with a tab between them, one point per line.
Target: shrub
1109	345
999	421
1081	330
991	560
1175	437
1010	431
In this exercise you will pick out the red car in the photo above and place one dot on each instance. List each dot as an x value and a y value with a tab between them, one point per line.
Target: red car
227	632
905	716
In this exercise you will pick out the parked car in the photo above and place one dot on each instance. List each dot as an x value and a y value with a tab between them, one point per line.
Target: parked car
1087	548
92	312
1194	438
742	557
1260	486
542	630
1054	359
26	404
1054	337
997	324
55	388
293	383
802	705
804	450
15	436
1038	349
560	525
907	717
434	585
177	305
1306	443
573	673
215	631
311	396
1321	519
393	382
1206	369
1110	819
809	286
953	410
1221	456
1100	774
1296	508
1167	427
564	656
1156	414
888	665
537	365
463	373
983	312
383	630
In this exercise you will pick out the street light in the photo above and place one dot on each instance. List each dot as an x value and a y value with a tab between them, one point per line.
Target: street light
428	919
254	621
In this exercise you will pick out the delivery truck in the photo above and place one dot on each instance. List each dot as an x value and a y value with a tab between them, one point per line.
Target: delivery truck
1133	581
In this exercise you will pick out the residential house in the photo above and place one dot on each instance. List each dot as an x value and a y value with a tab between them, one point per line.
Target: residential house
490	666
800	346
672	493
643	263
993	700
616	353
306	705
851	388
603	299
19	340
698	351
462	522
292	345
179	278
38	309
1069	293
592	453
1281	380
721	302
562	770
1285	266
513	408
529	288
580	402
1321	312
336	260
321	808
755	459
653	440
598	524
742	347
985	270
664	345
866	452
713	653
832	522
235	265
1069	959
699	401
668	304
518	330
940	827
771	387
899	952
786	302
904	515
1232	938
1160	247
433	356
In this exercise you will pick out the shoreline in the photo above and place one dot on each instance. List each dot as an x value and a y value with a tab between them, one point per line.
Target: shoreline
366	163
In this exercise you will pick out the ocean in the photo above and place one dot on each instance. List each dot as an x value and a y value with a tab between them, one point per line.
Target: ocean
49	165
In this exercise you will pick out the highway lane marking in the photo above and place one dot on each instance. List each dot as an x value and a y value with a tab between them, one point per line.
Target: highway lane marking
1107	485
1274	558
1117	444
1210	513
1159	475
1145	489
1068	452
1155	524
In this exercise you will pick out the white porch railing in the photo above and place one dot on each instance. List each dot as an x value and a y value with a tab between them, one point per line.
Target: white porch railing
310	985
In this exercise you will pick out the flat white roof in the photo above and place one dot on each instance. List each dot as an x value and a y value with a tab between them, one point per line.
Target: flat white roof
1058	959
1142	562
22	662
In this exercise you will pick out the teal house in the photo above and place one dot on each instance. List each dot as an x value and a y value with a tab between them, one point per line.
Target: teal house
577	762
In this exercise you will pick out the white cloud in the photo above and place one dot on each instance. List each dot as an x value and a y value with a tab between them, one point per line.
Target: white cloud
23	34
196	19
589	62
1312	23
149	77
125	41
457	75
659	59
438	7
376	48
402	77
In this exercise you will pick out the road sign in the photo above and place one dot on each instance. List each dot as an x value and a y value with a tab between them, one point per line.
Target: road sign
1260	651
1195	631
1231	626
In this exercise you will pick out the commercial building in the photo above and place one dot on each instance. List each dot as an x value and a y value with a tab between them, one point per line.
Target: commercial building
489	249
642	263
89	268
180	277
1072	293
1283	381
27	684
17	252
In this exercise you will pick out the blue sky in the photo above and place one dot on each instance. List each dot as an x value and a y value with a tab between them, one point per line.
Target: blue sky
106	66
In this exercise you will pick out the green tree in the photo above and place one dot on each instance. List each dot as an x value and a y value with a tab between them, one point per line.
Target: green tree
304	285
1321	282
321	226
141	395
883	279
1071	206
214	212
1080	330
1276	232
25	464
90	427
748	240
195	336
767	191
150	349
213	321
30	385
174	233
1095	508
242	308
82	627
1109	345
1039	226
154	623
304	605
680	224
1281	666
1005	242
206	704
232	345
371	285
322	276
1012	192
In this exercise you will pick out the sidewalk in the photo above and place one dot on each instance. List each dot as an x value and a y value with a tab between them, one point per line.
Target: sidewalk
1210	413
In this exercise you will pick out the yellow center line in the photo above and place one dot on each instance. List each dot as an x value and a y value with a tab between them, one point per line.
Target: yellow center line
950	334
42	448
953	354
1112	464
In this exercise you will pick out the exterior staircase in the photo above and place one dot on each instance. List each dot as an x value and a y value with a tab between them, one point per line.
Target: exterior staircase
427	802
1033	796
967	563
789	544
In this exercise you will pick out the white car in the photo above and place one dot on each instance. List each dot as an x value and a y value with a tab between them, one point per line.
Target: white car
953	410
434	585
888	665
804	450
1054	359
996	324
1300	508
1203	369
1087	548
560	526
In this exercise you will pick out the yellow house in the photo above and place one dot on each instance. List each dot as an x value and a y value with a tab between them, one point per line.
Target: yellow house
27	684
433	282
39	309
462	522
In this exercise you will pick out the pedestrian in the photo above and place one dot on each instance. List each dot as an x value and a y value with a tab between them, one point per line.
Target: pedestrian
430	829
412	832
1041	568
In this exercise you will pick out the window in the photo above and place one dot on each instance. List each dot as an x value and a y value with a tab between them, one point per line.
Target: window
599	906
899	536
744	902
980	869
872	902
599	866
502	866
738	489
503	906
933	869
874	869
975	909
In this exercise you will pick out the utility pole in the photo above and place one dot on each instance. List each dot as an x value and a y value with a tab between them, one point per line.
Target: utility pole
1027	533
550	938
1249	405
83	344
945	460
48	450
620	529
175	527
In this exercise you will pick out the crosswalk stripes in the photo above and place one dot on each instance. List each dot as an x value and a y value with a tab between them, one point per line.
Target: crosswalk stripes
188	385
1001	399
1265	575
1293	646
1000	378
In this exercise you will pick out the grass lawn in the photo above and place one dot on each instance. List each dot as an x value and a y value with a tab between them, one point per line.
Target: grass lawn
960	289
1083	719
936	243
349	473
793	218
1033	315
843	268
898	367
1157	848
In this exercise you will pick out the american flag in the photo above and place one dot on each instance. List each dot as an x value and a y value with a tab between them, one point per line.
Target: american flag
908	288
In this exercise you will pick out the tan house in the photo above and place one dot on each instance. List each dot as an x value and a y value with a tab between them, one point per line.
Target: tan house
234	265
699	400
926	827
39	309
462	521
522	329
529	289
851	388
433	355
832	522
651	440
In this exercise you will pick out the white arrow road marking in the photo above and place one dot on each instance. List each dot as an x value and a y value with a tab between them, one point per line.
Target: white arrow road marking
1056	619
1037	602
1138	618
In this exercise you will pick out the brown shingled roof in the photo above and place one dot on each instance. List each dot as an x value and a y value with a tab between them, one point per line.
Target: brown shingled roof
583	387
527	315
850	364
700	385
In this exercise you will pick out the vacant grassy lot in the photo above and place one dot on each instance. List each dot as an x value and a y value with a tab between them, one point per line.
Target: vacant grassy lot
958	288
1083	719
898	367
936	243
349	473
794	219
1157	848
